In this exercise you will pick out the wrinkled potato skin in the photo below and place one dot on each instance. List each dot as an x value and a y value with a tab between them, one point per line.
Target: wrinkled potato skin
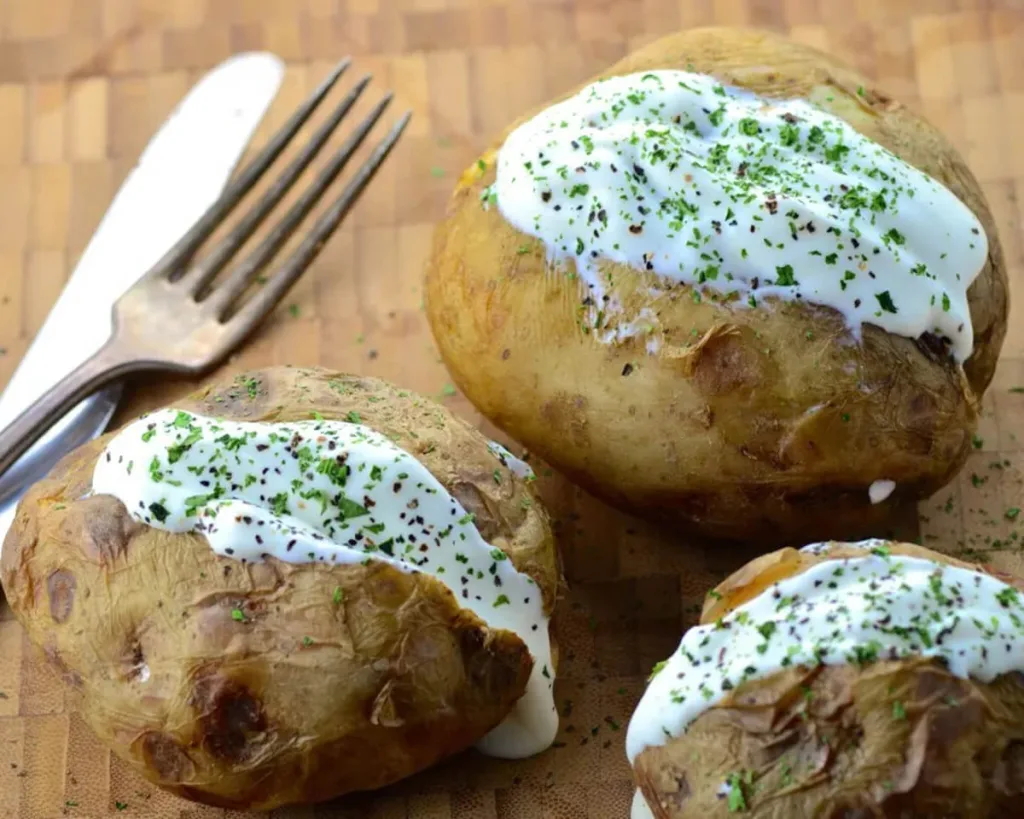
748	423
825	743
245	714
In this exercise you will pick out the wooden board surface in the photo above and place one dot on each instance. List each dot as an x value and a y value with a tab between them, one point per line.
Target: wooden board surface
84	83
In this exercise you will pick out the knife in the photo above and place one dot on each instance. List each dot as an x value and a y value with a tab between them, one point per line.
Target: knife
179	175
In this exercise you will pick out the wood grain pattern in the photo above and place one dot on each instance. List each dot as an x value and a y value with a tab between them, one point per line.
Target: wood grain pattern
84	84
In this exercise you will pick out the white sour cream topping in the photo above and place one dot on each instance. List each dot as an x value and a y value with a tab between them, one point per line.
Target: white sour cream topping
337	493
744	196
515	465
881	490
640	809
852	610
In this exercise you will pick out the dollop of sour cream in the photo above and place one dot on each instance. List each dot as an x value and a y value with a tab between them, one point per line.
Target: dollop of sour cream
880	491
744	198
331	492
640	809
517	466
843	611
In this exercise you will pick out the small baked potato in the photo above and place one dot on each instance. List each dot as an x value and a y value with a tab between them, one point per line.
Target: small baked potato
897	725
255	683
767	421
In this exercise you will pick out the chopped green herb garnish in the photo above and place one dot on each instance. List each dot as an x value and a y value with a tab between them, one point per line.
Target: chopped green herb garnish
885	302
735	797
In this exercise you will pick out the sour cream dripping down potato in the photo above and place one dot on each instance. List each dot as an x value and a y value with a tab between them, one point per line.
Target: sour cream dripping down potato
872	678
293	585
730	282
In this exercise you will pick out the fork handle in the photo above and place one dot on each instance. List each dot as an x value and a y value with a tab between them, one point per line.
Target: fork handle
108	364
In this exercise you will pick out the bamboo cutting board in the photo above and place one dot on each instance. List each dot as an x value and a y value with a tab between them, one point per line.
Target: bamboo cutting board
84	84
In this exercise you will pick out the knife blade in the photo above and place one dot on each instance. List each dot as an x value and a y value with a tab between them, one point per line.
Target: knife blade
180	173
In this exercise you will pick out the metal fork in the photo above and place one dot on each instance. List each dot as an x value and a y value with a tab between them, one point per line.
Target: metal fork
176	318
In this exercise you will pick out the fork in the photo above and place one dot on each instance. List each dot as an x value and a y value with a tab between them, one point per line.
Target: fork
176	318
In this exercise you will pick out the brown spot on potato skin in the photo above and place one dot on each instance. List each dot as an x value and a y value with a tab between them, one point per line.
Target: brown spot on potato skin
108	528
133	659
386	710
67	674
231	719
683	788
164	756
474	502
578	410
553	412
568	414
60	588
1008	777
511	670
921	423
922	404
725	363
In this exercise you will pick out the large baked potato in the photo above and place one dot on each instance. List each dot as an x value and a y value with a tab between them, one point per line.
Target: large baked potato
766	422
253	683
897	725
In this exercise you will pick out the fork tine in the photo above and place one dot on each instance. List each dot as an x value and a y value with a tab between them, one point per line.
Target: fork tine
253	312
241	277
204	272
187	245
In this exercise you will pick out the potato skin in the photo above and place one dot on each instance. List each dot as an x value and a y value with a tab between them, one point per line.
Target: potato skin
747	423
827	742
307	698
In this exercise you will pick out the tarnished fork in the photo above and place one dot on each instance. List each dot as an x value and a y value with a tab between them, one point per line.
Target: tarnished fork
177	318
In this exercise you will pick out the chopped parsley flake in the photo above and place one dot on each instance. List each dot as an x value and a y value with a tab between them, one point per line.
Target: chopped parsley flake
159	511
885	301
735	797
784	276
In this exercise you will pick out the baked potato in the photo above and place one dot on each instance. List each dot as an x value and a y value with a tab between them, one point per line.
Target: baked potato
871	679
247	593
697	286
